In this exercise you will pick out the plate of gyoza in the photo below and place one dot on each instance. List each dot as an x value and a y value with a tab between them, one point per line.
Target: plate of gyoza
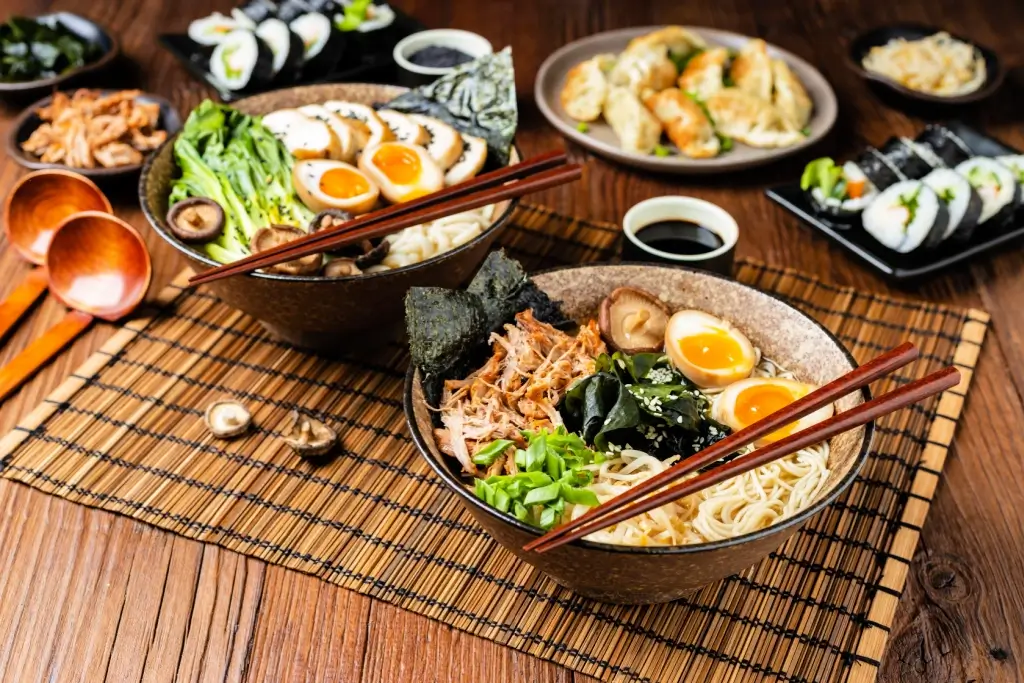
684	99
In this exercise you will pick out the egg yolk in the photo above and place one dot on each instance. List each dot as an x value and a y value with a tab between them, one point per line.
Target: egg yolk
399	164
712	350
760	401
343	183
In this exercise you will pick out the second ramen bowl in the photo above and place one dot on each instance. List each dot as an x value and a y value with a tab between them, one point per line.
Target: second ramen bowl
327	315
648	575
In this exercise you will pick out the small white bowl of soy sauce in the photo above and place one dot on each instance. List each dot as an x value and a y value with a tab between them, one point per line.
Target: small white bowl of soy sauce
683	231
425	56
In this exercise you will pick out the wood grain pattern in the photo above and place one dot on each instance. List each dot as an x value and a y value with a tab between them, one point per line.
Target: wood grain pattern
86	595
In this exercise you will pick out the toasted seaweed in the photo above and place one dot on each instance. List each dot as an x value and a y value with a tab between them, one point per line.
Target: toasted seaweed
442	323
477	98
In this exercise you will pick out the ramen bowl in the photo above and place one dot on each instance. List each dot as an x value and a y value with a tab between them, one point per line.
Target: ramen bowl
648	575
322	314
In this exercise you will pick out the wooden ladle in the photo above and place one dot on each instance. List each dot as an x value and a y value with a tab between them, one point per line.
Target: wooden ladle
34	209
98	266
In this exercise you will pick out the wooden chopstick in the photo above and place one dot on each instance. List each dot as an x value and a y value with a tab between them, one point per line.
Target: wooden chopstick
907	394
855	379
494	178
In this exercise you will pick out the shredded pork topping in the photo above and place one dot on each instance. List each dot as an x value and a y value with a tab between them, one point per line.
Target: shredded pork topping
519	387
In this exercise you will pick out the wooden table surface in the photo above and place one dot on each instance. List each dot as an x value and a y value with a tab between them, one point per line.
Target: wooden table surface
89	596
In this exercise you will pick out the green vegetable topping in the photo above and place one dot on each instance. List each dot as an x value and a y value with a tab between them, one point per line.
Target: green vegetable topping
947	195
354	15
910	203
805	131
978	177
821	173
551	473
31	50
582	127
662	151
682	59
724	141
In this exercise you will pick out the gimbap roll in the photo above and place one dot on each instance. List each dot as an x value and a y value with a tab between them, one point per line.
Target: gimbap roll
906	159
945	144
212	30
995	184
879	170
962	203
285	45
322	43
363	16
289	10
840	192
906	216
258	11
925	152
243	19
1014	162
242	61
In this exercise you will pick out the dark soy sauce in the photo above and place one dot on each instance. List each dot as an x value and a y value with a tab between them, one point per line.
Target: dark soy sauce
679	237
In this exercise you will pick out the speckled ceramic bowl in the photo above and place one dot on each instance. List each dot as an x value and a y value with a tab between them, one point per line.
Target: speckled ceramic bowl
314	312
631	575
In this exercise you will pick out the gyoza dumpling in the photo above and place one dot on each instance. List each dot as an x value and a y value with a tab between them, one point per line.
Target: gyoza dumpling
750	119
644	68
585	88
685	123
679	41
751	71
791	99
704	73
637	128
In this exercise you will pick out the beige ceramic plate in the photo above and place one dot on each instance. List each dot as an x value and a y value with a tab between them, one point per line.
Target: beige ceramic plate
601	140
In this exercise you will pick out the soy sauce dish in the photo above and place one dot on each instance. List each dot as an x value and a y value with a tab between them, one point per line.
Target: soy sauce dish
680	230
424	56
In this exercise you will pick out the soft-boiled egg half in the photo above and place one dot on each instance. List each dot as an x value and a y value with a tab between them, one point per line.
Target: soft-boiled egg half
745	402
402	171
709	351
326	184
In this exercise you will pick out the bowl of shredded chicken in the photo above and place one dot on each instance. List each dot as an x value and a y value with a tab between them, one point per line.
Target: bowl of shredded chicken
938	64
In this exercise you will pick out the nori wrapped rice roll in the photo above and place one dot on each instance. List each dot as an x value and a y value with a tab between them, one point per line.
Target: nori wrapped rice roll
242	62
477	98
259	11
906	216
904	158
289	10
878	168
945	144
323	43
286	47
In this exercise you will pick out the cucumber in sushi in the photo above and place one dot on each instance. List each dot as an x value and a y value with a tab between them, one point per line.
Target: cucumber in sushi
286	47
962	203
839	192
906	216
995	184
242	61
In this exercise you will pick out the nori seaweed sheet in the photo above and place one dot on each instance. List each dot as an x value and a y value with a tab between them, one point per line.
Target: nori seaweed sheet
876	167
945	144
905	159
448	329
478	98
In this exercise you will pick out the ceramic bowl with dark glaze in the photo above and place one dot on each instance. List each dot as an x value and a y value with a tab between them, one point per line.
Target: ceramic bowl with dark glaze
88	31
312	311
29	120
633	575
876	37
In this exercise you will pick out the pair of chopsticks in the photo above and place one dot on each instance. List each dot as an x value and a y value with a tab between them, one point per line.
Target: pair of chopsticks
625	505
533	175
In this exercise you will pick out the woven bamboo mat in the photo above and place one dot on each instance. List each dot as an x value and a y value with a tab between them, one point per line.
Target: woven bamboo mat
125	434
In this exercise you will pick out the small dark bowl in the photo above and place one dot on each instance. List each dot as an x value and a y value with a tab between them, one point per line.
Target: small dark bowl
634	575
862	44
323	314
87	30
28	121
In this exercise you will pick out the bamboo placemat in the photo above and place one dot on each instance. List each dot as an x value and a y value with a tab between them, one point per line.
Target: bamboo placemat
125	433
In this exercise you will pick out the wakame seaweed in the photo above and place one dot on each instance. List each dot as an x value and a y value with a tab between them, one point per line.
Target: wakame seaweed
640	401
448	328
31	49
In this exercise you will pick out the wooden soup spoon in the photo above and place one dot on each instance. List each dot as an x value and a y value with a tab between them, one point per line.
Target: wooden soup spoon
98	266
34	209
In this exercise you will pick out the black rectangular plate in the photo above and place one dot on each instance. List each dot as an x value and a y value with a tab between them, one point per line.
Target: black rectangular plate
892	264
369	60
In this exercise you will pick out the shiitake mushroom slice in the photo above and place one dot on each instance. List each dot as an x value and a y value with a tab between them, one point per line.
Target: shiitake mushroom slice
276	235
197	219
311	439
633	320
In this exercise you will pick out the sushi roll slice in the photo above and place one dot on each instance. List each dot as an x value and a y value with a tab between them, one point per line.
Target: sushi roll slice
839	192
962	203
906	216
474	156
879	170
996	185
212	30
903	157
925	152
363	16
257	11
243	19
242	61
322	43
289	10
945	144
1014	162
285	45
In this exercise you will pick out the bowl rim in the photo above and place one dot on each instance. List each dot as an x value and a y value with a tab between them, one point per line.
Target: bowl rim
398	53
102	61
157	222
453	483
992	82
171	120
